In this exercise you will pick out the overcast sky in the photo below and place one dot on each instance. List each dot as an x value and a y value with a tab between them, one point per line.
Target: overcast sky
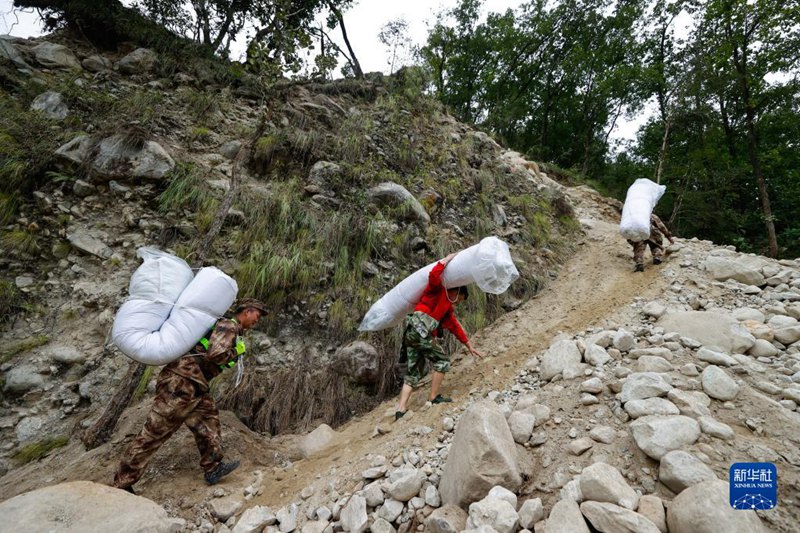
363	22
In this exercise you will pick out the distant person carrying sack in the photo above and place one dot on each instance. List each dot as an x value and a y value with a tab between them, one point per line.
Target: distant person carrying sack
657	233
182	397
434	310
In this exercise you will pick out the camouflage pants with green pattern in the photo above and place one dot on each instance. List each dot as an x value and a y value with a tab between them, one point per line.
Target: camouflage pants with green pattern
418	351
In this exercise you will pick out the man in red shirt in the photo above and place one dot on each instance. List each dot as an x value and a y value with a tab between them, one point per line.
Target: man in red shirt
434	311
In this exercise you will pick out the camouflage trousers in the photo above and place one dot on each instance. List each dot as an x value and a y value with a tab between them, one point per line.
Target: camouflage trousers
418	350
177	402
654	242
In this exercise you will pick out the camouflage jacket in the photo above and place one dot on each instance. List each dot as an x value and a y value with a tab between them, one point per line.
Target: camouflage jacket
201	365
658	225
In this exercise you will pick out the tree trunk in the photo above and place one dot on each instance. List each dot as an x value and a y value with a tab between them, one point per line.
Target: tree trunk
103	428
662	154
353	59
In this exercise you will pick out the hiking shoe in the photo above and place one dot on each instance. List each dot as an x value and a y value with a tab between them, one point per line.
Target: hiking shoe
657	261
639	268
222	470
398	415
441	399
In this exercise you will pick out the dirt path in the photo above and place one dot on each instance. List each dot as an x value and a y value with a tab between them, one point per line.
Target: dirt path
594	289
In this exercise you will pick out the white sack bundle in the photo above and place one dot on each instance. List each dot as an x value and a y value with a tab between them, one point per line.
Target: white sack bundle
156	332
487	264
640	201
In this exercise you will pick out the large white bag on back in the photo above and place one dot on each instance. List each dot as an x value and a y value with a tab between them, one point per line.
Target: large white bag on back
640	201
487	264
167	313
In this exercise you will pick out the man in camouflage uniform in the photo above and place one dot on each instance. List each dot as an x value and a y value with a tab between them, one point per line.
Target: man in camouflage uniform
433	312
657	233
182	397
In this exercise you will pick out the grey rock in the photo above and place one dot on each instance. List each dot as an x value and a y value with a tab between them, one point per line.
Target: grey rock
373	494
596	355
23	378
495	513
714	357
718	384
53	55
763	348
118	158
579	446
447	519
83	189
393	194
623	340
653	363
654	309
562	357
224	508
405	483
10	52
287	518
359	361
604	434
652	508
566	517
530	513
643	385
741	269
390	510
88	244
254	519
788	335
613	518
432	497
231	149
691	403
381	526
711	329
140	61
748	313
30	429
704	508
592	386
317	441
521	425
77	150
354	515
86	506
650	406
64	353
679	470
96	63
715	428
601	482
482	455
658	435
51	104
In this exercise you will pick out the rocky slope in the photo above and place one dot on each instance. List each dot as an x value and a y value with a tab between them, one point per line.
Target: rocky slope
612	401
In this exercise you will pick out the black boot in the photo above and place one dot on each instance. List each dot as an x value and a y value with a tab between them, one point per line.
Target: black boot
222	470
639	268
441	399
657	261
398	415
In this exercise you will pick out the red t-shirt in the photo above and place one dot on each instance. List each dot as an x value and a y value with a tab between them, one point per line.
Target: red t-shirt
434	303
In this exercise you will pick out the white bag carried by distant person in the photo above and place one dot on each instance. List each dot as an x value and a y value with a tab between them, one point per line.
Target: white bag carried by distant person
487	264
168	310
640	201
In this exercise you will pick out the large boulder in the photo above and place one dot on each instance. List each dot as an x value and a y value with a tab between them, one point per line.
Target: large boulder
495	513
51	104
482	455
658	435
86	507
317	441
704	508
744	269
354	515
53	55
613	518
23	378
650	406
395	195
358	361
562	357
10	52
140	61
86	243
710	329
679	470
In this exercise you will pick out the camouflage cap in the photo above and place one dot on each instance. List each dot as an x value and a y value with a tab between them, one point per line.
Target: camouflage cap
249	303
